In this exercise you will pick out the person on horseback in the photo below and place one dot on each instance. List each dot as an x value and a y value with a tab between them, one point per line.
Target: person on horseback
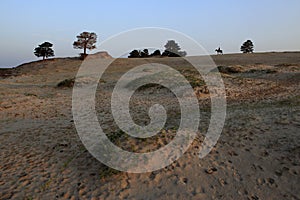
219	51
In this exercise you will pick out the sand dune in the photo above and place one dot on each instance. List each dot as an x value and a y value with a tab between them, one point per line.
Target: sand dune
256	157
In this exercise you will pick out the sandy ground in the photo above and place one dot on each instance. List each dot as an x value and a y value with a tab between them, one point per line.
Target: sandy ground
257	155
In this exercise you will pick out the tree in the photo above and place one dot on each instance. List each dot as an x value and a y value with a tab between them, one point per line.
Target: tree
145	53
134	54
85	40
156	53
247	47
173	50
44	50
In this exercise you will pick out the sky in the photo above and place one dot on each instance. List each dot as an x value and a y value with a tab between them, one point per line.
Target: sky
272	25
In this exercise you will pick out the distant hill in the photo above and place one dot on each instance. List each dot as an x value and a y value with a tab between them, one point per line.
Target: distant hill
70	65
51	64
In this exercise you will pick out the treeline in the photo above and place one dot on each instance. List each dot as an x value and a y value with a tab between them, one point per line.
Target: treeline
144	54
87	41
172	49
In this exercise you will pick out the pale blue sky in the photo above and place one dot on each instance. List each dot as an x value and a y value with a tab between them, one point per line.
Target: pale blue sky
273	25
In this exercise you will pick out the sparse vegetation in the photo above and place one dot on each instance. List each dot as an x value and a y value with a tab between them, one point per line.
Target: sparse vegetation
116	135
286	65
264	71
66	83
69	82
193	77
30	94
194	82
229	69
150	85
107	172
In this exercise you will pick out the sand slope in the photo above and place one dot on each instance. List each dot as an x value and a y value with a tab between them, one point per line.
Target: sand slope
256	157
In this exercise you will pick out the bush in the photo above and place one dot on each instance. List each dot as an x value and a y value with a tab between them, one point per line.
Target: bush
66	83
227	70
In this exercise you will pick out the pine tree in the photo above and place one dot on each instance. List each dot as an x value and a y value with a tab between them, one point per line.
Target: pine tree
173	50
247	47
145	53
44	50
85	40
156	53
134	54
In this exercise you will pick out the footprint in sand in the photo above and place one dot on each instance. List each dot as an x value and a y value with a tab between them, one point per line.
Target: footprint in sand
211	170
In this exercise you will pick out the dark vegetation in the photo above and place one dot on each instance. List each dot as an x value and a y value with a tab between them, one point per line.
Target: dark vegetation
66	83
44	50
247	47
85	40
172	49
237	69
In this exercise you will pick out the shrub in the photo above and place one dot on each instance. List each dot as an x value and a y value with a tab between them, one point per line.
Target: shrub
66	83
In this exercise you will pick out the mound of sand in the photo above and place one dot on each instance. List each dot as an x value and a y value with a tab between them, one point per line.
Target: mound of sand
100	54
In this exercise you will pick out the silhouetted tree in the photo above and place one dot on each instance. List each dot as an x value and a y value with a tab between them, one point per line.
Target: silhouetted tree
247	47
134	54
156	53
145	53
173	50
44	50
85	40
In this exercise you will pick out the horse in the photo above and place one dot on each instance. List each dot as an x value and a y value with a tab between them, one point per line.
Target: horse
219	51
